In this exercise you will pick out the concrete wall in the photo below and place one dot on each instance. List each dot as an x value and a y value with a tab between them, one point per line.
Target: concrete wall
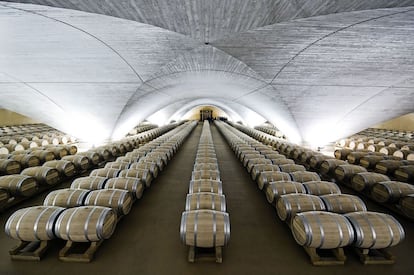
11	118
405	122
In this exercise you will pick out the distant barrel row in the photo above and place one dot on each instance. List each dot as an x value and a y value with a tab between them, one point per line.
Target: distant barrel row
88	211
205	222
320	216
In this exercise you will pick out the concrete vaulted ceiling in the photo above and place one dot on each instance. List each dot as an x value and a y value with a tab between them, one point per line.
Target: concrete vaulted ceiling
318	70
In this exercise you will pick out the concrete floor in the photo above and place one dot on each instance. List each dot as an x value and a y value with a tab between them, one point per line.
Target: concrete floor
147	240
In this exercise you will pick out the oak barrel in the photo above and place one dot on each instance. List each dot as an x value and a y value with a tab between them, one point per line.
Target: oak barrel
342	154
319	188
328	166
117	165
26	160
253	162
257	169
33	223
315	161
345	172
369	161
205	228
365	180
324	230
93	158
282	161
206	175
81	162
43	155
269	176
214	186
143	174
132	185
288	205
19	185
407	206
289	168
391	191
9	167
86	224
105	172
375	230
276	189
66	198
152	167
90	183
405	173
304	176
43	175
66	168
343	203
4	196
119	200
205	200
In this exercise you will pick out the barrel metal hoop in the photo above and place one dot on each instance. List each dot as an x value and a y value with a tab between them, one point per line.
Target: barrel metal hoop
214	228
69	223
195	228
382	217
19	222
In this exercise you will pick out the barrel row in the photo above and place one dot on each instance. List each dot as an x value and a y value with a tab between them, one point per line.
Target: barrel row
141	128
87	212
205	222
270	130
324	218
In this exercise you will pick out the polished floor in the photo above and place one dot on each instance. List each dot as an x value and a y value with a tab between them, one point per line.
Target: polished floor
147	241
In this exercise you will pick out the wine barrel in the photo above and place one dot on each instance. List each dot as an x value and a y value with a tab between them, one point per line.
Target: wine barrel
81	162
258	161
319	188
205	200
391	191
213	186
355	157
43	155
206	174
158	156
117	165
289	205
269	176
160	162
281	161
304	176
389	151
407	206
58	151
375	230
105	172
143	174
405	173
119	200
324	230
345	172
14	147
43	175
92	158
289	168
374	147
315	161
342	154
206	155
249	154
19	185
205	166
132	185
86	224
369	161
4	196
66	168
151	167
28	144
4	150
366	180
343	203
9	167
205	228
26	160
257	169
33	223
328	166
403	154
276	189
66	198
387	167
126	160
90	183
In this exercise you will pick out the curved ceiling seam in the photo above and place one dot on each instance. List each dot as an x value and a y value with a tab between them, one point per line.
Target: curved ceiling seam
83	31
333	33
35	90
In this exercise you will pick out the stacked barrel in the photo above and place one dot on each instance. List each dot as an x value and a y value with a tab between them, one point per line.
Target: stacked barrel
89	210
141	128
319	215
205	222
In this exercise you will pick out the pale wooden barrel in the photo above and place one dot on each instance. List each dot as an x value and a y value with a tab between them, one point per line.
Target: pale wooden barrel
206	175
343	203
328	166
315	161
152	167
324	230
86	224
205	200
143	174
319	188
4	196
26	160
119	200
126	159
90	183
206	155
389	151
403	154
33	223
205	228
253	162
369	161
355	157
66	168
345	172
289	168
248	153
257	169
156	155
290	204
375	147
105	172
43	175
157	160
19	185
342	154
132	185
93	158
405	173
117	165
9	167
43	155
281	161
267	177
205	166
375	230
4	150
304	176
14	147
250	157
213	186
407	206
66	198
391	191
278	188
366	180
81	162
58	151
28	144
